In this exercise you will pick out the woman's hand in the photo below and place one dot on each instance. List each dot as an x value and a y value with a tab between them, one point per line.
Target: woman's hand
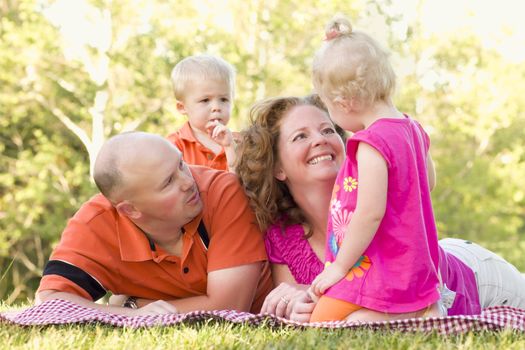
302	308
281	301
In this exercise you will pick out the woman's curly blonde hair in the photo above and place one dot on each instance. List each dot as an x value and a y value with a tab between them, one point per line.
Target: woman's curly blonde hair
257	156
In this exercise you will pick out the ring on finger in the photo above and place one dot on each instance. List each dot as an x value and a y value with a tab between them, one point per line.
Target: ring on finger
284	300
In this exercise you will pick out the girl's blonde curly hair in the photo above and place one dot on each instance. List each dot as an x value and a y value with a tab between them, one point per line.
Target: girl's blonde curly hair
351	64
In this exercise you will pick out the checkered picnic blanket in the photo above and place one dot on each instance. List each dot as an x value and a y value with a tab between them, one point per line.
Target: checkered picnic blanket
64	312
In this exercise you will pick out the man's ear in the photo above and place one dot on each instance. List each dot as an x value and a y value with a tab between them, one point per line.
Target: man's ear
181	108
125	208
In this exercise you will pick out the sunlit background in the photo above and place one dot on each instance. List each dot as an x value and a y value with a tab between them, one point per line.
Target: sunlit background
74	72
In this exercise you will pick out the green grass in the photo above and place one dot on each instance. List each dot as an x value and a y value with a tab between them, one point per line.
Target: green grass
216	335
223	335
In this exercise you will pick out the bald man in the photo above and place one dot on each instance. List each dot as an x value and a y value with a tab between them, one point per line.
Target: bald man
172	237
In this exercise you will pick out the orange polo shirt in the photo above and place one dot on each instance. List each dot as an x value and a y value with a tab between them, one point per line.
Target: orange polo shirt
193	152
115	255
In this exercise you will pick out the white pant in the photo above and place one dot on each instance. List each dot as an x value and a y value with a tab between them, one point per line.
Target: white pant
499	282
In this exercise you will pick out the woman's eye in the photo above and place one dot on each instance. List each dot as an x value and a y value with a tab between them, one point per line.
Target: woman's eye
299	137
224	99
329	131
205	100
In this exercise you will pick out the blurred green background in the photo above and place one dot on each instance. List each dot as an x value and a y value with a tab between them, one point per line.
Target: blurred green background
74	72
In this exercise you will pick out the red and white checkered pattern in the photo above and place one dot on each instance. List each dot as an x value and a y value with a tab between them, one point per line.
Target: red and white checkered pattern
65	312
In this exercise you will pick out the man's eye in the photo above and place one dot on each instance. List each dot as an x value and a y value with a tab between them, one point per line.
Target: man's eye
224	99
205	100
329	131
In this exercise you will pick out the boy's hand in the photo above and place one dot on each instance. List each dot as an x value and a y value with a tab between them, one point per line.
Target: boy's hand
221	134
331	274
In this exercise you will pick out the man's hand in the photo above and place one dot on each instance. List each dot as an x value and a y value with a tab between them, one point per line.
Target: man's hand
331	274
117	299
158	307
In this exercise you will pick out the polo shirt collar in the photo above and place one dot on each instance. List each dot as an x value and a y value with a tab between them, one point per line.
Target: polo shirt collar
191	227
133	243
136	246
186	133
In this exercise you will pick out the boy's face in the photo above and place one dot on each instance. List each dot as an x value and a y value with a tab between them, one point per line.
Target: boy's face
205	103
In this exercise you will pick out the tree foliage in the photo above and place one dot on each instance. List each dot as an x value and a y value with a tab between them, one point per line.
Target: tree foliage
62	95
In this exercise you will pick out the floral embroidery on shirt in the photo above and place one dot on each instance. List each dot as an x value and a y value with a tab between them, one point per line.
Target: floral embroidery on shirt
350	184
335	206
332	244
340	221
359	268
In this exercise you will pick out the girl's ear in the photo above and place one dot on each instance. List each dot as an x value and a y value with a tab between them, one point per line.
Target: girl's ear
279	173
125	208
347	105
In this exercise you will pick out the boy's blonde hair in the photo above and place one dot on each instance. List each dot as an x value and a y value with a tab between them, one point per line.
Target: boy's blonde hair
351	64
201	67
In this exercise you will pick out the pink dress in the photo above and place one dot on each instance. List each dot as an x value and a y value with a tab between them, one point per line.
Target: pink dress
398	271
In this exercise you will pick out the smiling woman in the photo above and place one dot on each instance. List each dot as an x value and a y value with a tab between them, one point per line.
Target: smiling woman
291	124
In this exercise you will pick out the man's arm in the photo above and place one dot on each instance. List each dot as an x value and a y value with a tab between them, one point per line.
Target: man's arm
155	308
228	289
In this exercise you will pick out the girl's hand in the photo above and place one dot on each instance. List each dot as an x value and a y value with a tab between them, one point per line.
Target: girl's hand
331	274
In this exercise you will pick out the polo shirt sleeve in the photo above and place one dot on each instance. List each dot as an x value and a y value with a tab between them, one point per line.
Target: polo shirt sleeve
81	262
235	238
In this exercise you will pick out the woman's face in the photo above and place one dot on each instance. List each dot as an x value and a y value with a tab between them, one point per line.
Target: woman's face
310	150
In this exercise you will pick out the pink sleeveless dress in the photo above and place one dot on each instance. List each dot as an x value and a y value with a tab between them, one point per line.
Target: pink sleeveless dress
398	272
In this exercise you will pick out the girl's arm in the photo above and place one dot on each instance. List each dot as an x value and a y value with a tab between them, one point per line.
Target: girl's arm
431	173
370	209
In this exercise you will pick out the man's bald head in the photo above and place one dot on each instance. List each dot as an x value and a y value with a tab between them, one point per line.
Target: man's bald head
119	155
